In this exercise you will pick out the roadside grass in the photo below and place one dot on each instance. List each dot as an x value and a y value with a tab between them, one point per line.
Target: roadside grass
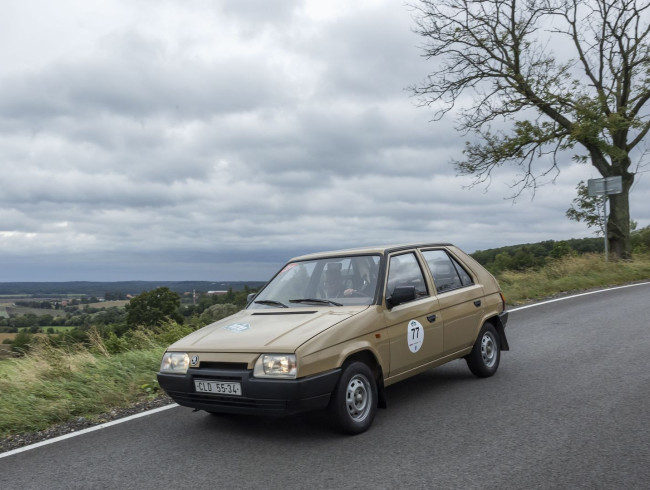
571	274
51	385
54	385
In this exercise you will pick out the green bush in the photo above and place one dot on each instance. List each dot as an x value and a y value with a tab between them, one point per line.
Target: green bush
22	343
115	344
218	312
641	241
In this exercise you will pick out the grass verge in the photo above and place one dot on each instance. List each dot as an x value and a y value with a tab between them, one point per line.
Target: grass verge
54	385
571	274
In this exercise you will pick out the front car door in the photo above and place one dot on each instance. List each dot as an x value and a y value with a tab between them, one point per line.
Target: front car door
414	328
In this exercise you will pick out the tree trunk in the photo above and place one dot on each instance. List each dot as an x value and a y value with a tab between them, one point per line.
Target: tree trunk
618	222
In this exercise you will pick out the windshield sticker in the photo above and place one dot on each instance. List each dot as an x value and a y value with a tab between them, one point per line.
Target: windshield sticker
288	268
237	327
414	335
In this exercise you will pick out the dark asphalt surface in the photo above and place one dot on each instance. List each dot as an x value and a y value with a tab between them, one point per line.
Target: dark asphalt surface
568	408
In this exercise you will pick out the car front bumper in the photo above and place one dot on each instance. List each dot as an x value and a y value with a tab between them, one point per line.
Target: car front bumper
259	396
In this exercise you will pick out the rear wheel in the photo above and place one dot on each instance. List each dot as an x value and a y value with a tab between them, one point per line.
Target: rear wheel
484	359
354	400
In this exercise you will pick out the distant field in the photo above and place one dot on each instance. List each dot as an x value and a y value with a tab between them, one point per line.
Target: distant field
24	310
56	328
109	304
7	308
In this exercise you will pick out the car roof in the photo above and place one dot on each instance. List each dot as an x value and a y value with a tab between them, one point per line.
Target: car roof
378	249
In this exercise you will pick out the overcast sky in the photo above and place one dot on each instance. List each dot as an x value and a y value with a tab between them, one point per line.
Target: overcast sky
214	140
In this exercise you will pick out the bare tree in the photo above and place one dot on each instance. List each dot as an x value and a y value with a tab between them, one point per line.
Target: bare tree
548	76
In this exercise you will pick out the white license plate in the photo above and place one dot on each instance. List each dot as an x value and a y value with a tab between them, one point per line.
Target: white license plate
217	387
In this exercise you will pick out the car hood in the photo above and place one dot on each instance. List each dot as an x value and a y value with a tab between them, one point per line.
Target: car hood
279	330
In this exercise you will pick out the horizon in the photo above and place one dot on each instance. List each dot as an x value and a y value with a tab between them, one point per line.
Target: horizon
253	280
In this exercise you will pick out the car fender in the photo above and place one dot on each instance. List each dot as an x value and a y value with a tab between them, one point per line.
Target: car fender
335	356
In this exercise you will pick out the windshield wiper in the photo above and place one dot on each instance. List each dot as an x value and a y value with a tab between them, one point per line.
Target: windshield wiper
317	301
270	302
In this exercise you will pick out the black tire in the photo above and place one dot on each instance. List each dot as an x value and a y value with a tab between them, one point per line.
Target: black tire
484	359
354	400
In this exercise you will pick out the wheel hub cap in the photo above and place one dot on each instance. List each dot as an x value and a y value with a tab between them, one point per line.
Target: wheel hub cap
358	397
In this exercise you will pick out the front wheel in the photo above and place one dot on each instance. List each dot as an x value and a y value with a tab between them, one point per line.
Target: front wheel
354	400
484	359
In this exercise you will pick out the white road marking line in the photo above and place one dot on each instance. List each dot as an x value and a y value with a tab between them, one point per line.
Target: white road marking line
577	296
85	431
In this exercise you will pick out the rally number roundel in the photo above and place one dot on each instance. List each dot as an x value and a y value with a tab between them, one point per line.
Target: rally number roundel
414	335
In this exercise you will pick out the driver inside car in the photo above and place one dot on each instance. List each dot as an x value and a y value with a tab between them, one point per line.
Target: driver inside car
334	284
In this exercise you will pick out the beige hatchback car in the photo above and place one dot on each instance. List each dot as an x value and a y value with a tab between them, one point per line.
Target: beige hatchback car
334	329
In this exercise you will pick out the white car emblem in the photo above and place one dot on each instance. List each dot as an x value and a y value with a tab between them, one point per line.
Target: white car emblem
237	327
194	361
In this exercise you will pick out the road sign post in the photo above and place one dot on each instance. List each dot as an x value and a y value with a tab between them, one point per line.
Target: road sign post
605	187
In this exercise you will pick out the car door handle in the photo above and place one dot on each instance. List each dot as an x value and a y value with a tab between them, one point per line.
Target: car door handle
477	303
431	318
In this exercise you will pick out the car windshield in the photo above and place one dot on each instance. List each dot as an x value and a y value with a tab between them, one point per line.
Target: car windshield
335	281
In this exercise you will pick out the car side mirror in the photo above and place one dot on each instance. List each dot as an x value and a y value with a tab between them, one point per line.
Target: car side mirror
250	298
401	294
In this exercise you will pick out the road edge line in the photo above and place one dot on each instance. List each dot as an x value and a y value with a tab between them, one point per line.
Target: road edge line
510	310
86	431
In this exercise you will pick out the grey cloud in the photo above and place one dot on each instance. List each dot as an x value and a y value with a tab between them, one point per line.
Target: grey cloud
160	153
136	81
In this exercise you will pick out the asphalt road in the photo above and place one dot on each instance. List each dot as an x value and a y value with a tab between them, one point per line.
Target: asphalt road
568	408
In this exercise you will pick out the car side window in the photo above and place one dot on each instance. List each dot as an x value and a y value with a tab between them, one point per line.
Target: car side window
465	278
404	270
447	272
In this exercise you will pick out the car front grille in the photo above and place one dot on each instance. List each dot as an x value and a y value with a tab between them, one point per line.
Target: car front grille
223	366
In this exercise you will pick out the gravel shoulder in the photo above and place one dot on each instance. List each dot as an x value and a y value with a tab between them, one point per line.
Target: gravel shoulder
21	440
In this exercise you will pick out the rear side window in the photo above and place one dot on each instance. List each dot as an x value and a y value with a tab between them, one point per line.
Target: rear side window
447	272
404	270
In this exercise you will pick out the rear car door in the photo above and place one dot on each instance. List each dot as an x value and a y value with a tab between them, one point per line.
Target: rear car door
460	298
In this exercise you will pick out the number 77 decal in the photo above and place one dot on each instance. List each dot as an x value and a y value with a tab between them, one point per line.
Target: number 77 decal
414	335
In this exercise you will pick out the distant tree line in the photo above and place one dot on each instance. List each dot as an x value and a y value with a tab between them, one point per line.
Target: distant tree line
535	255
57	304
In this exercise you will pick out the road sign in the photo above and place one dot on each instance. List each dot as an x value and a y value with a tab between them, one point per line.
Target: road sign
605	186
